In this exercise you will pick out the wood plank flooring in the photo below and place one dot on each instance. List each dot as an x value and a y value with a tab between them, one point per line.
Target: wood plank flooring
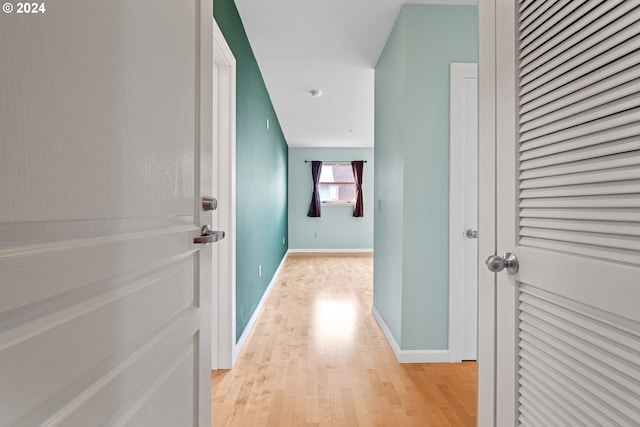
318	358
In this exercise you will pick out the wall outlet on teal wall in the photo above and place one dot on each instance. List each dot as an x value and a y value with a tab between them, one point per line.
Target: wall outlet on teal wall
259	271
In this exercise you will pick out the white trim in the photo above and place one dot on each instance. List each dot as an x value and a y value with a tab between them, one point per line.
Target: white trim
298	145
506	210
237	348
459	72
487	120
336	202
330	250
225	166
445	2
409	356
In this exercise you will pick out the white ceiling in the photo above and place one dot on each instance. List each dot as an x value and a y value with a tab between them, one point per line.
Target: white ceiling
330	45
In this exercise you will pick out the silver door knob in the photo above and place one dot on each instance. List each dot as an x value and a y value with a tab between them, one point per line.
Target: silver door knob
207	236
507	261
471	234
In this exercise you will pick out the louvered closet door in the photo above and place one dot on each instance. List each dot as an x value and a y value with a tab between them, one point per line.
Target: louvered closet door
568	205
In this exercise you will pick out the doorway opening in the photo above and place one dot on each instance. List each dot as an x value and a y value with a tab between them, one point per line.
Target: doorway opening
463	212
224	162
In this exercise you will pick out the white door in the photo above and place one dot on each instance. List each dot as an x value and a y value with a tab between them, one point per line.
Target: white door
105	119
463	208
568	206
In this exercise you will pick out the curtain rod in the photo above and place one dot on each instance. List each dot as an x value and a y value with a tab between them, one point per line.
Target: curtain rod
333	161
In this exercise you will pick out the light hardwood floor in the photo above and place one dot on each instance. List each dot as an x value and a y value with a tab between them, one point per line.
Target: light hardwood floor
318	358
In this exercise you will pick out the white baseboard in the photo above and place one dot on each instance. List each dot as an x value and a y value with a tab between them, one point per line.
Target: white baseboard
410	356
330	250
237	348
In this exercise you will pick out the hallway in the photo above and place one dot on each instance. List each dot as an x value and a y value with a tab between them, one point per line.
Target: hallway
317	358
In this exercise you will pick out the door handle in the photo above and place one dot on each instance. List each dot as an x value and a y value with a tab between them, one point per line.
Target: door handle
471	234
207	236
507	261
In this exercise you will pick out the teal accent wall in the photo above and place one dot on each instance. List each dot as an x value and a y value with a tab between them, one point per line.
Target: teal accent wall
261	173
411	234
336	228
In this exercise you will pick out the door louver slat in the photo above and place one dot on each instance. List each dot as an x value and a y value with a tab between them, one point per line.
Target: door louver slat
621	201
566	406
625	187
577	82
530	50
618	99
623	228
592	251
604	376
597	360
583	214
601	36
546	15
578	194
591	239
551	408
587	162
584	156
615	161
577	395
543	10
569	71
603	176
579	362
535	139
527	8
608	89
621	140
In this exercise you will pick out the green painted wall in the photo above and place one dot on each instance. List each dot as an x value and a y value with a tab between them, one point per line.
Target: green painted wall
412	170
261	173
388	179
336	228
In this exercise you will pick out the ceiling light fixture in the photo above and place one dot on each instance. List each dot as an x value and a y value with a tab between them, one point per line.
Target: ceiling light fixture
315	92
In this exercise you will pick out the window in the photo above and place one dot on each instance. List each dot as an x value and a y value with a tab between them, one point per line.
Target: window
337	185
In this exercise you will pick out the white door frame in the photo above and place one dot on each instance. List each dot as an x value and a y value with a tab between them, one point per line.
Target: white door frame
224	283
457	202
486	211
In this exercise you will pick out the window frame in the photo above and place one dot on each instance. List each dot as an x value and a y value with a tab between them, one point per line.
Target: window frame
351	202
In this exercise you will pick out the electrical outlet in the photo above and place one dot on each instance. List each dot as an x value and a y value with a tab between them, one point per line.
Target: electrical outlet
283	240
267	124
259	271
